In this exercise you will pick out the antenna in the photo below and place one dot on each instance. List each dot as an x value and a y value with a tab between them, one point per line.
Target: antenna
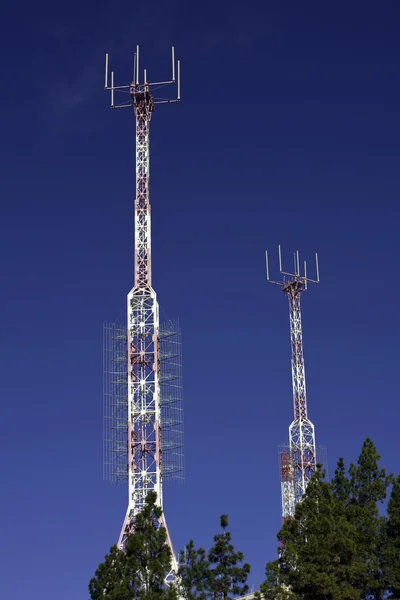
296	276
106	74
179	80
112	89
135	88
305	275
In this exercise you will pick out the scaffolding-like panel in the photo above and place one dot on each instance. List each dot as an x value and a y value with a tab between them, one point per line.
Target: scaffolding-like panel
285	464
287	475
115	403
171	400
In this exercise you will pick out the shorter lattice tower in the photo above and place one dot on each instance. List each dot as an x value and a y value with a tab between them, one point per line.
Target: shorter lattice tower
298	459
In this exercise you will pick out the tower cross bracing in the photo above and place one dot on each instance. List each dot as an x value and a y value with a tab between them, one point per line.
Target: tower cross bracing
301	430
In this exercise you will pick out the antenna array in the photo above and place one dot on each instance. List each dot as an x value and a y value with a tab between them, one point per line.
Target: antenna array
136	88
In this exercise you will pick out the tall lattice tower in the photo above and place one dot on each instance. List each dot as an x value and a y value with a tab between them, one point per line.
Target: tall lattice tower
143	425
298	459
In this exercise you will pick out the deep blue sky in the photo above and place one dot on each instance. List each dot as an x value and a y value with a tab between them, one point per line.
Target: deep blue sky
288	133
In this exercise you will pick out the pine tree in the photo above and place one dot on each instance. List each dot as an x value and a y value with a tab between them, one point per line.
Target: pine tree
217	575
391	552
229	574
320	545
140	571
367	487
110	579
341	483
194	572
337	547
318	559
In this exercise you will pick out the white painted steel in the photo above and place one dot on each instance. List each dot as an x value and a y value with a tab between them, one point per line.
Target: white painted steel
301	430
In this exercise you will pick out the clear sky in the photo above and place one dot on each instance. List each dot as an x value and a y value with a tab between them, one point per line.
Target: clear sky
288	132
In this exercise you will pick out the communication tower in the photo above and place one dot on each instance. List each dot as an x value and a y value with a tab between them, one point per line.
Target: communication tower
298	459
143	424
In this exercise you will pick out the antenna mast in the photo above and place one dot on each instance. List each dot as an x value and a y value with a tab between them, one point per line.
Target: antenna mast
143	407
297	461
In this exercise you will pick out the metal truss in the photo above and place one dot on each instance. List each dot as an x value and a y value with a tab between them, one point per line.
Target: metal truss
144	106
144	449
144	435
301	430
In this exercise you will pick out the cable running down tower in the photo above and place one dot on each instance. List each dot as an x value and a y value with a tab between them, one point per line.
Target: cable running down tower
298	460
136	410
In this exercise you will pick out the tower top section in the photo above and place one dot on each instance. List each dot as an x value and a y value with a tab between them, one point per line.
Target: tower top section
141	96
293	281
142	93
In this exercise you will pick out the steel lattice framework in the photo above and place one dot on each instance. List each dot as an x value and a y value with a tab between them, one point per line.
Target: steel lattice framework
143	328
298	460
301	430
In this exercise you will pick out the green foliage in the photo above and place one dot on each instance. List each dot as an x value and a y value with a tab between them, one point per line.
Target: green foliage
195	572
341	484
218	574
391	551
368	486
140	571
229	574
273	588
110	580
320	555
337	547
